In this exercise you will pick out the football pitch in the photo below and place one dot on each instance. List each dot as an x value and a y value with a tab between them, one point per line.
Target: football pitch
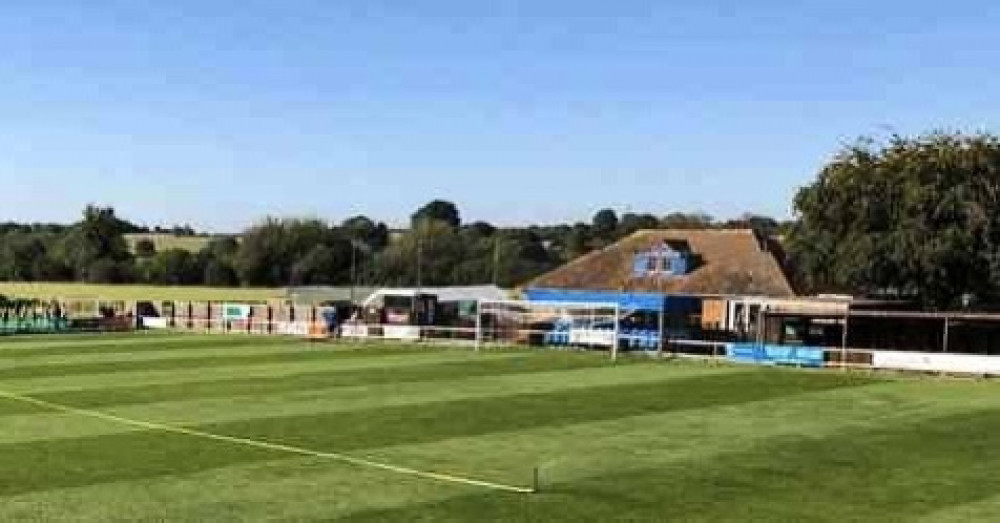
185	427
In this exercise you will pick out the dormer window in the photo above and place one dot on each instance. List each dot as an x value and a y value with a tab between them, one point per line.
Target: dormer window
654	264
662	261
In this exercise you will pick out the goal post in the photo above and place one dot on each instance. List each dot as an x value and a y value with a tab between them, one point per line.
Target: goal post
555	324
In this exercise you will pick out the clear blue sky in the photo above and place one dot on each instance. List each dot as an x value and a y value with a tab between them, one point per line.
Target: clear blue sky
219	112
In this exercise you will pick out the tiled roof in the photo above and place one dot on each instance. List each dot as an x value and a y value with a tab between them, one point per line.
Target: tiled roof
728	262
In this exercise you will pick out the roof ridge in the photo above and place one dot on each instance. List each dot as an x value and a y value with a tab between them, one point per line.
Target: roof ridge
728	230
582	258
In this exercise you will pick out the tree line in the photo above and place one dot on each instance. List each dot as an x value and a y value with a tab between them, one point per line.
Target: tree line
916	218
438	248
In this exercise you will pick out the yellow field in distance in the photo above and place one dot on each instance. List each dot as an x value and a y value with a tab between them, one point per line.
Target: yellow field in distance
163	242
46	291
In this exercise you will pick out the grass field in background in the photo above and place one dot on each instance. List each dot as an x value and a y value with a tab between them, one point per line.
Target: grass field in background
163	242
636	440
46	291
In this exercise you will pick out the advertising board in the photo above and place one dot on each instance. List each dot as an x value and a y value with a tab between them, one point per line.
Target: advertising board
775	354
928	362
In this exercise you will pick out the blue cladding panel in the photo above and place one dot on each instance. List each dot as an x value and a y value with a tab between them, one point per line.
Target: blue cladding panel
640	301
775	354
626	300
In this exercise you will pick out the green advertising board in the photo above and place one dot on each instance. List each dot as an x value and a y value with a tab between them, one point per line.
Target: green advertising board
233	311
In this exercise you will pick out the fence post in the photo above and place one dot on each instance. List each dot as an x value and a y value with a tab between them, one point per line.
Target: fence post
944	343
614	345
660	334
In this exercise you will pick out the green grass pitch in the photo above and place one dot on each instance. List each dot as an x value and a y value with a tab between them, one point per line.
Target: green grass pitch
633	440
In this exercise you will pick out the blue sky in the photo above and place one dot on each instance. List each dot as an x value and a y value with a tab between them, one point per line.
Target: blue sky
217	113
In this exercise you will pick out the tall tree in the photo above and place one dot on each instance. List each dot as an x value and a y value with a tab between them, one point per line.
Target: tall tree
366	231
605	224
319	266
438	210
765	225
914	217
95	247
632	222
425	255
270	251
175	267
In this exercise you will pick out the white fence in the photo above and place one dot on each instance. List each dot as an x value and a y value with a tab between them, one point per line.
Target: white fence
604	339
220	326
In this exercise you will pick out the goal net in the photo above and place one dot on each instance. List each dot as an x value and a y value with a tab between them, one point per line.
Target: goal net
548	324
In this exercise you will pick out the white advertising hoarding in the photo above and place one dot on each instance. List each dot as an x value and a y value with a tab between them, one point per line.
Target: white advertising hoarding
595	337
401	332
292	328
152	322
354	330
922	361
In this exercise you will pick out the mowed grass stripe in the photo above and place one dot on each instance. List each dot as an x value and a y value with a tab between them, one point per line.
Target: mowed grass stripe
587	449
372	428
978	510
136	344
288	449
10	407
421	370
236	355
32	467
900	472
65	338
81	382
157	354
287	490
302	489
500	382
44	465
33	427
235	359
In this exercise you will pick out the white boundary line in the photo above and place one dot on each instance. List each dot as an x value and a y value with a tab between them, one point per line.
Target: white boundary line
448	478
